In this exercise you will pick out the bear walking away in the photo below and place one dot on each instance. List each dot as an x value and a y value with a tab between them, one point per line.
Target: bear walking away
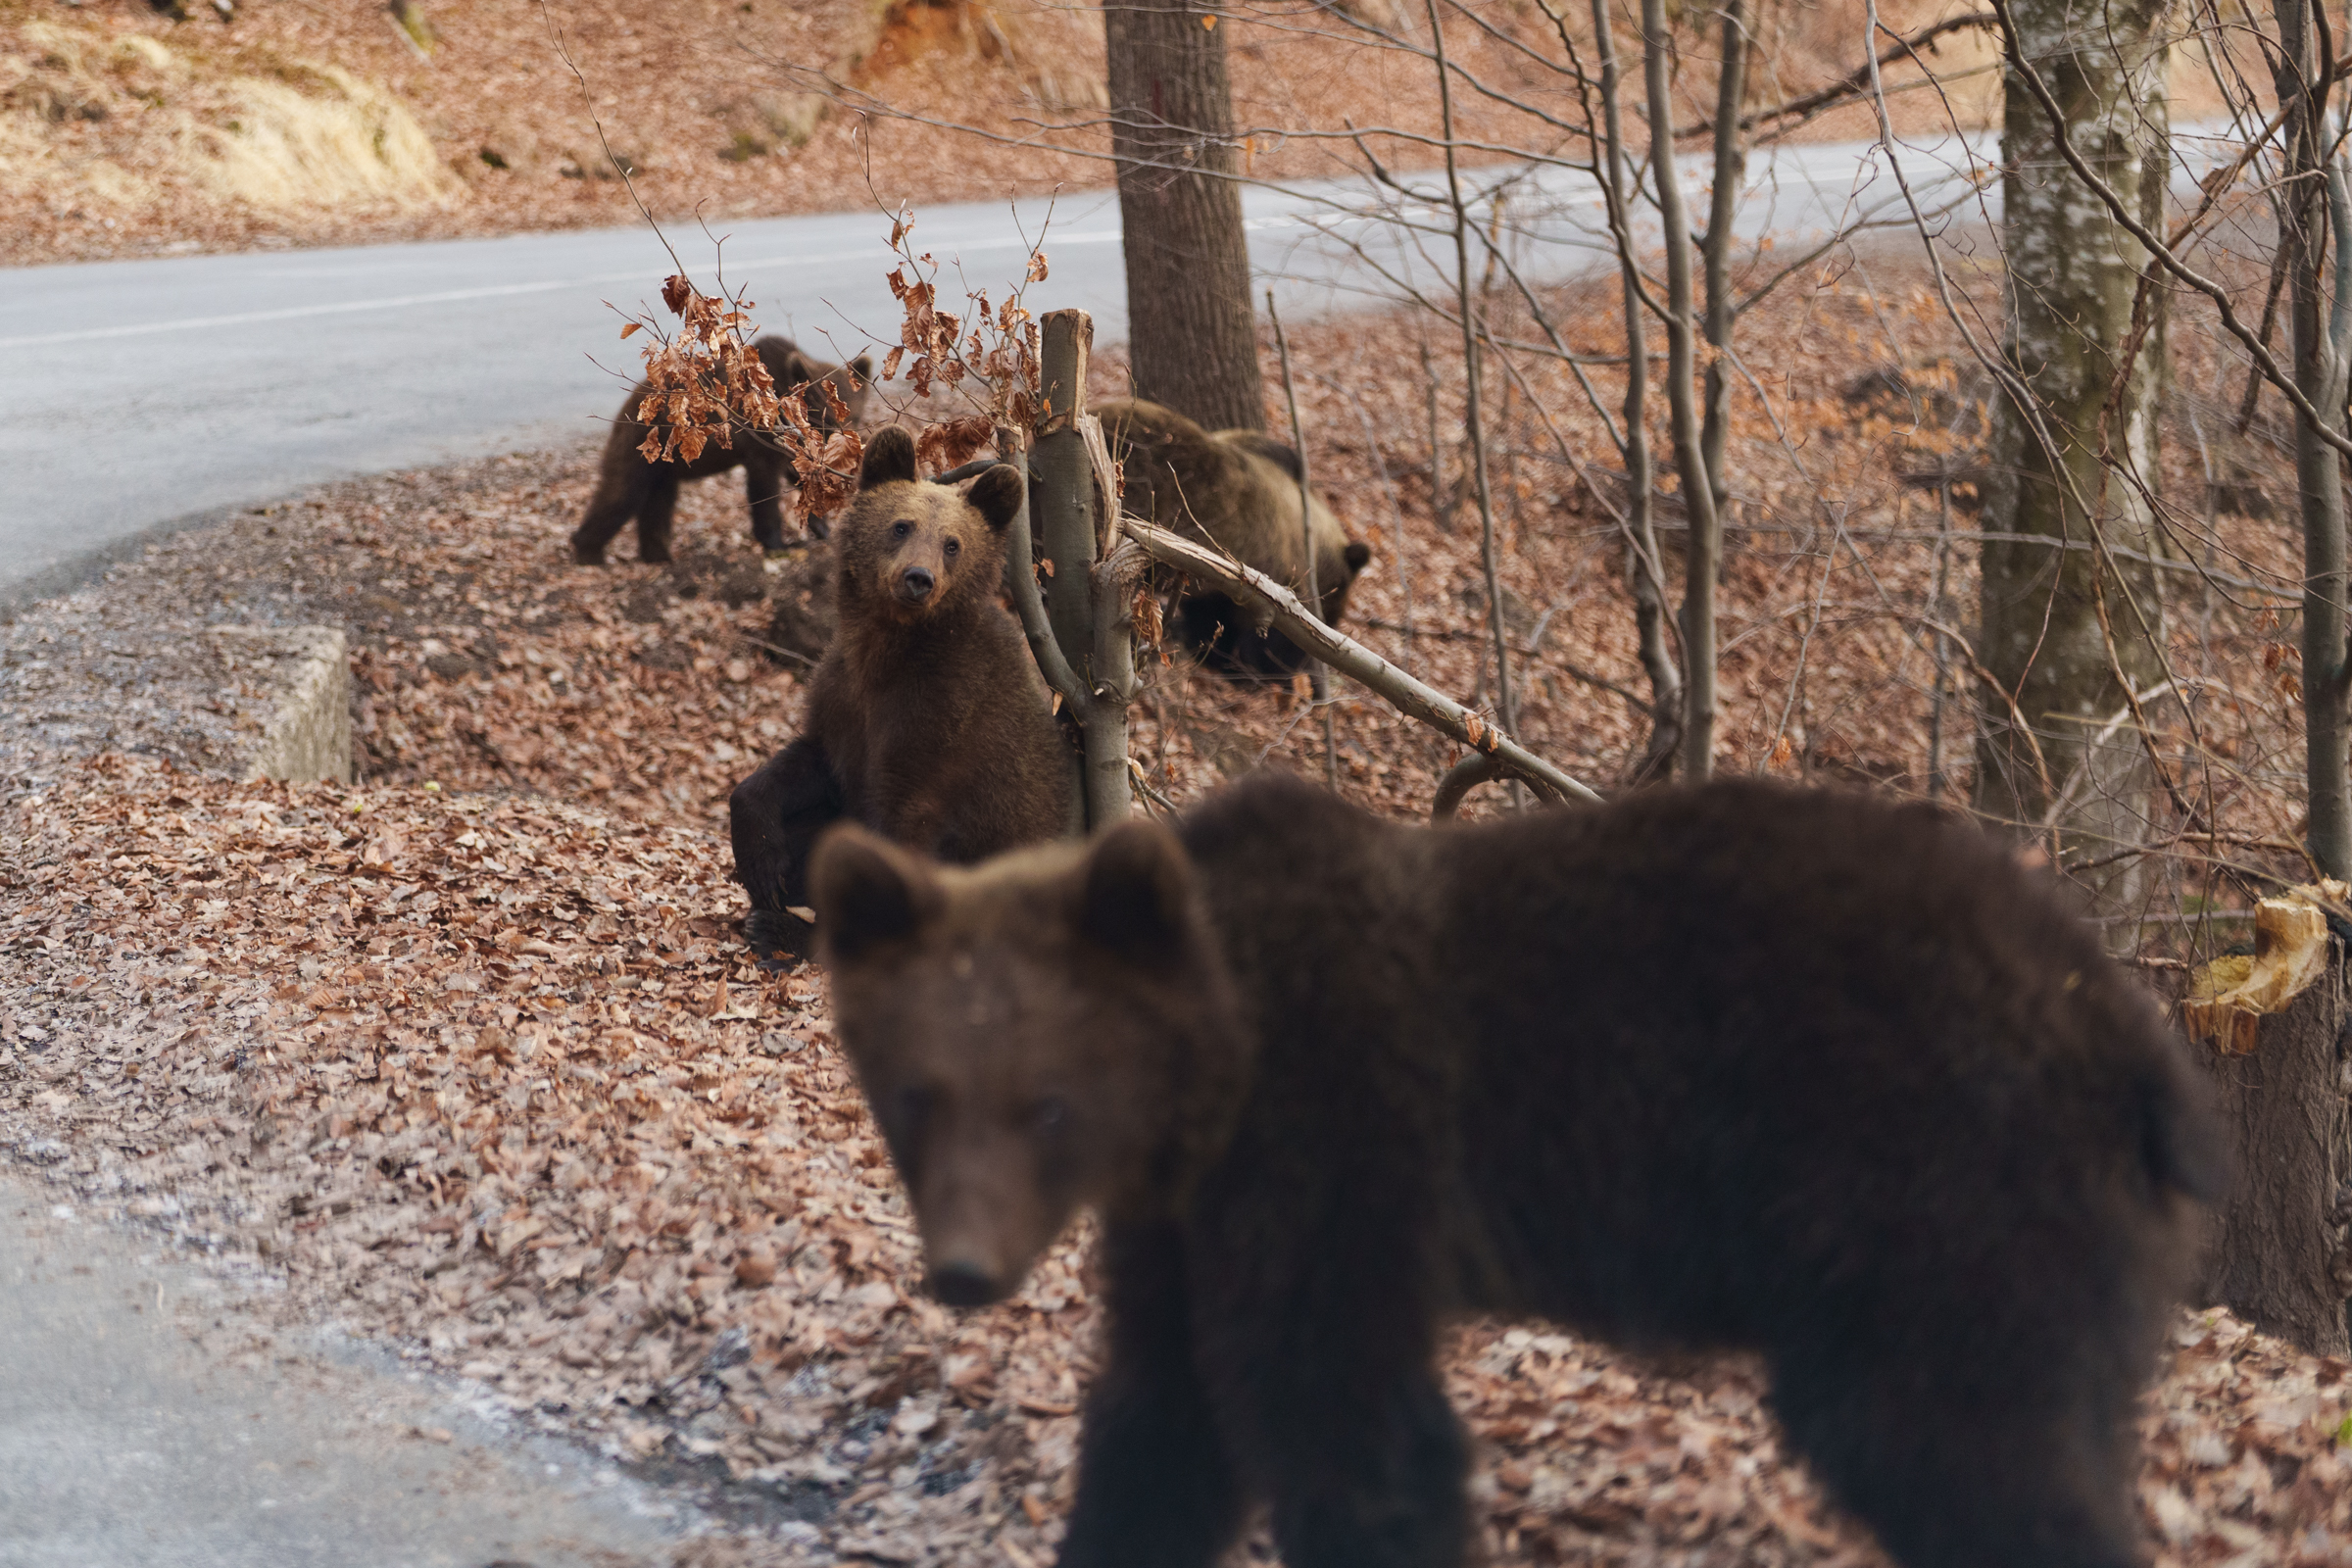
927	720
1238	489
629	487
1816	1076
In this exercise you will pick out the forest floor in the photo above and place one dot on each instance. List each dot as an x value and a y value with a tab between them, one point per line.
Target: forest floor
466	1057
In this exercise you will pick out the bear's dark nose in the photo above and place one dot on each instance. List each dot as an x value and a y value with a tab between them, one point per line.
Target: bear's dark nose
915	584
961	1285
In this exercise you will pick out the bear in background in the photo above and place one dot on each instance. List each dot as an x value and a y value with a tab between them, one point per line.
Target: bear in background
1237	489
927	719
1736	1067
629	487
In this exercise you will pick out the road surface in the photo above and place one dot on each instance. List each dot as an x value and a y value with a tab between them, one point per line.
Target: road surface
147	1423
143	394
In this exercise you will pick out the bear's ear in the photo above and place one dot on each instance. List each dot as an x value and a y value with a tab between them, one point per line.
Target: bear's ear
997	495
866	892
889	458
1358	554
1136	894
864	365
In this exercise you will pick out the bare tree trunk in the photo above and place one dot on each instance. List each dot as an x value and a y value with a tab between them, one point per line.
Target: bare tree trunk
2061	625
2309	196
1474	415
1192	341
1706	550
1645	567
1089	592
1731	167
1062	495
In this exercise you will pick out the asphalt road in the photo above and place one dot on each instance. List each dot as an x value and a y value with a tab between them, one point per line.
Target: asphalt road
146	1423
138	395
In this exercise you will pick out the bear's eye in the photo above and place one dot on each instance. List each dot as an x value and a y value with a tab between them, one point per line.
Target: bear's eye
1050	1115
952	547
900	530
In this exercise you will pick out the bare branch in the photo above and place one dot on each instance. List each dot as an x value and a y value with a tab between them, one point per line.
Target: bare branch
1257	592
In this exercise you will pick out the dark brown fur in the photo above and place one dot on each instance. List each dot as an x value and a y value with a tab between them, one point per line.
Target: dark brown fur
1814	1076
927	720
1238	489
629	487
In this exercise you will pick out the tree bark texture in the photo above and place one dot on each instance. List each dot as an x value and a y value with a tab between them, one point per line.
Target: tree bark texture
2306	200
2058	622
1704	558
1088	594
1723	206
1645	566
1192	340
2279	1254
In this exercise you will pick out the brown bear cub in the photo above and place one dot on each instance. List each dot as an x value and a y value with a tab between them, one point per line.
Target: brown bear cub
927	720
629	487
1816	1076
1237	489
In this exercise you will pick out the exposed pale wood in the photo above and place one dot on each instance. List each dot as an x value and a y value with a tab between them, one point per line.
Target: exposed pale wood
1061	500
2279	1254
2229	996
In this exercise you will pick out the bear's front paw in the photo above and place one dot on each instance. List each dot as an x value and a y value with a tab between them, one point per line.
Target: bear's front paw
778	936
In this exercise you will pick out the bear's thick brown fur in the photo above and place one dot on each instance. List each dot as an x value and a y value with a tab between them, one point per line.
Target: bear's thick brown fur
1816	1076
629	487
1238	489
927	720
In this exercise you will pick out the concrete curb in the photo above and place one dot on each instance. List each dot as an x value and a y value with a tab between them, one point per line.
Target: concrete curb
308	672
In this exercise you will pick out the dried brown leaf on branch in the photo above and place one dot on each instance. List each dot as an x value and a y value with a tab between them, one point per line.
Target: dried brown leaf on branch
999	352
953	442
704	381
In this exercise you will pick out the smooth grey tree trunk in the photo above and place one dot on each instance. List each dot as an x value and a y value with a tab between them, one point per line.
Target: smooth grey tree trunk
2314	193
1703	555
2059	619
1645	566
1192	338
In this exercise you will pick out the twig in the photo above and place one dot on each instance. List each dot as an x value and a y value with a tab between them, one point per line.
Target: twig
1317	686
1473	414
1854	83
1466	776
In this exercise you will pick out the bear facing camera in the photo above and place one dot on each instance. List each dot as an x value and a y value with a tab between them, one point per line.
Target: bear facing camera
927	720
1736	1067
630	489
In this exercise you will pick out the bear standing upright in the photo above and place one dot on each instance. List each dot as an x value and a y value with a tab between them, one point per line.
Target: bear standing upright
927	720
629	487
1736	1067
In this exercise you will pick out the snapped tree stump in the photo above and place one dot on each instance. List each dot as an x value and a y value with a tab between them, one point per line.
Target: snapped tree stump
2273	1025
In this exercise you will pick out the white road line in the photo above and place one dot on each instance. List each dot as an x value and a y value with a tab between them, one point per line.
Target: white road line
396	302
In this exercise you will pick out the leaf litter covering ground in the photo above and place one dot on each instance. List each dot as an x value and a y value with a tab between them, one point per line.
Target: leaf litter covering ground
471	1054
485	1076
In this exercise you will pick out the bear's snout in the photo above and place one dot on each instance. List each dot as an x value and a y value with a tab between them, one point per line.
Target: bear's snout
915	584
962	1284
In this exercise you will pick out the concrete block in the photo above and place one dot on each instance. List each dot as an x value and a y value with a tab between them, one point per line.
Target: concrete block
307	671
